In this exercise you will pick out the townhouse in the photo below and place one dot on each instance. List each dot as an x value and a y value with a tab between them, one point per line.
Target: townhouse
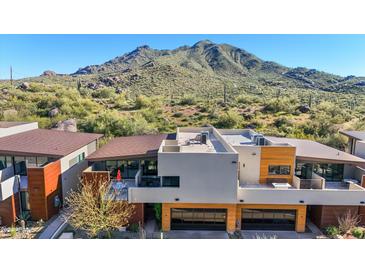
221	179
38	168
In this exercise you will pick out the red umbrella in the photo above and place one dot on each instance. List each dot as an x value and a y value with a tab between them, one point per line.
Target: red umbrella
119	175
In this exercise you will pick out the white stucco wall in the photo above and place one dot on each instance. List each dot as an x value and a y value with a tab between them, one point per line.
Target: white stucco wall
204	178
9	187
17	129
249	161
308	196
71	175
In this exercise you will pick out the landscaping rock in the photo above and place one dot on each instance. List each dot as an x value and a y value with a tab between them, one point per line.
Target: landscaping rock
67	125
304	108
53	112
24	86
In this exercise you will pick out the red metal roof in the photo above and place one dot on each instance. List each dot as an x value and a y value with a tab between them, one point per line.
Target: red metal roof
52	143
127	147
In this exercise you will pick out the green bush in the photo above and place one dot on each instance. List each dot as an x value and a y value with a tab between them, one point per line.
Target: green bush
230	119
332	231
357	232
133	228
142	102
104	93
187	100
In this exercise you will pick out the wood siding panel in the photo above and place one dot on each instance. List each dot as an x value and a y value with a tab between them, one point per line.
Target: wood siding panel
324	216
166	213
138	214
9	209
43	185
271	155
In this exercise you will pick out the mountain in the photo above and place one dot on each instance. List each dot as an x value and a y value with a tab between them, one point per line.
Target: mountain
204	66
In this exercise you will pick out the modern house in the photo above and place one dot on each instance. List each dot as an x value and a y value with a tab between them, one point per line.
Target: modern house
38	167
219	179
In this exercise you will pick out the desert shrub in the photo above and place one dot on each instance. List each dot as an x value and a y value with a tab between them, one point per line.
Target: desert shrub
335	140
104	93
230	119
332	231
187	100
280	105
358	232
142	102
347	222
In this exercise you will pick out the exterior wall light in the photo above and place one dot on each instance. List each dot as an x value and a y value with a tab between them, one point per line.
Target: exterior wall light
241	201
301	201
177	199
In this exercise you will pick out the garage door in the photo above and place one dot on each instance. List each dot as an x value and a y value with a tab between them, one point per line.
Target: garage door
198	219
268	219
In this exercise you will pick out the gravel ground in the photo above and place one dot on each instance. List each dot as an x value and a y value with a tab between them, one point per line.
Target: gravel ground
16	232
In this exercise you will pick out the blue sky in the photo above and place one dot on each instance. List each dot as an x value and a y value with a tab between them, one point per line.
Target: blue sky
30	55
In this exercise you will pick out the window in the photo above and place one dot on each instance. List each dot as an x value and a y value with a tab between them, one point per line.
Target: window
5	161
79	158
279	170
24	200
171	181
149	167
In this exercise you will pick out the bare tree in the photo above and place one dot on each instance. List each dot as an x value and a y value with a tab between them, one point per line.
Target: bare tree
347	222
95	210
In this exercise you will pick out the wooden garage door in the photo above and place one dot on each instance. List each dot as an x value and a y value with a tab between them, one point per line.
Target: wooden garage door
268	219
198	219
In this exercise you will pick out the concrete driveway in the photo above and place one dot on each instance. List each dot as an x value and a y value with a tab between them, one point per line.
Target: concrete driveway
195	234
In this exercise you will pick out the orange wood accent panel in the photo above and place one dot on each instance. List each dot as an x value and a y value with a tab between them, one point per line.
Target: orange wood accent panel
301	211
271	155
166	213
9	209
43	185
362	215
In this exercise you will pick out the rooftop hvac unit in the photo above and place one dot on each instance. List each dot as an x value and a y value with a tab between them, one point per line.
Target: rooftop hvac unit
204	137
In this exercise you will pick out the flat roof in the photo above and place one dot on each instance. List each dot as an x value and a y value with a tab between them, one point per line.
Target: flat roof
129	147
187	143
4	124
358	135
314	151
45	142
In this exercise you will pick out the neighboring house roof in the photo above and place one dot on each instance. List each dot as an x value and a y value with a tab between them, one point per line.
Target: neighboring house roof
314	151
127	147
45	142
358	135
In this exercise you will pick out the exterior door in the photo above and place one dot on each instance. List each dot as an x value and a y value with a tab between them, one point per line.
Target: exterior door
198	219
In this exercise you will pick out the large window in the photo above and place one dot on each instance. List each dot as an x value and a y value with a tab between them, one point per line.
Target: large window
330	172
149	167
171	181
279	170
79	158
128	169
24	200
5	161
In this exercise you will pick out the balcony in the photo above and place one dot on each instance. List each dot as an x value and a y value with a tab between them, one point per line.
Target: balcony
304	191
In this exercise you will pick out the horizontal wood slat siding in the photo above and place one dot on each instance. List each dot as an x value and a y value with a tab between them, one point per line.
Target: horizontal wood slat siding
43	185
9	209
324	216
276	156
